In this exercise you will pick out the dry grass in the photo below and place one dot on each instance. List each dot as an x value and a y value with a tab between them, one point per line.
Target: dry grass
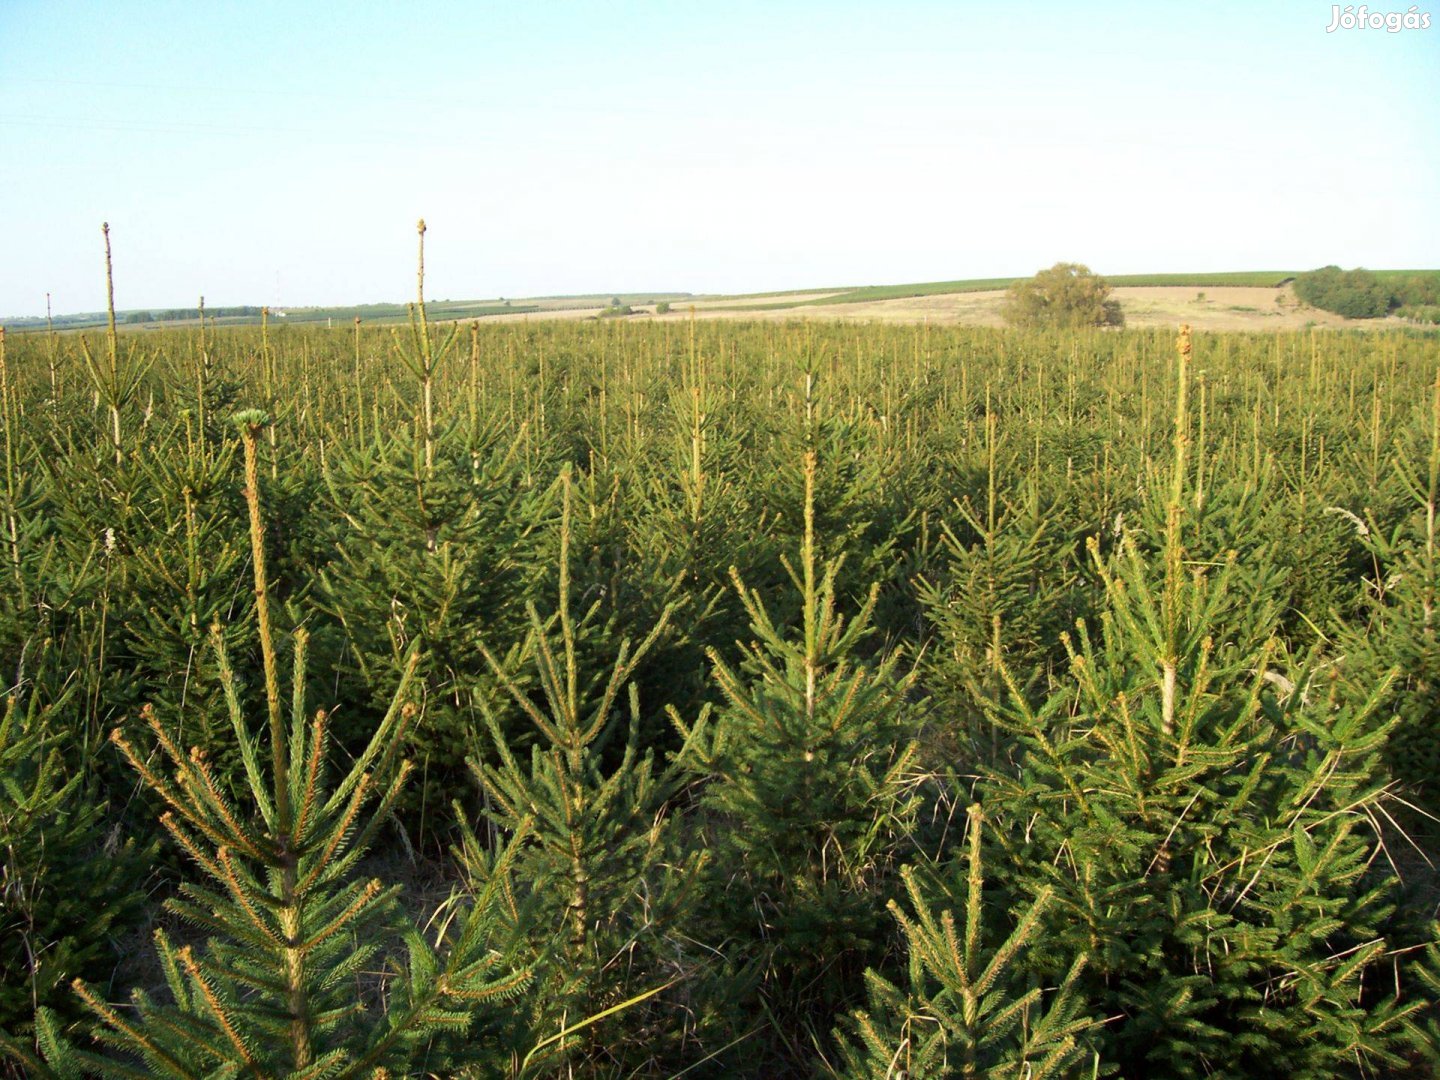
1227	307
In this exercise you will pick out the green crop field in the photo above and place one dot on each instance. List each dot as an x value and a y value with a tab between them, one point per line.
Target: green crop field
661	698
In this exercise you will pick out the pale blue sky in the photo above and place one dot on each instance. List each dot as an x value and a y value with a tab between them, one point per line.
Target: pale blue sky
281	152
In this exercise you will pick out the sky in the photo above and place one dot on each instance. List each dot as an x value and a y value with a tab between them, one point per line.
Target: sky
281	153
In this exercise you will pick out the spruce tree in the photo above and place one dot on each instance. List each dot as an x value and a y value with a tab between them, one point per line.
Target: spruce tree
433	549
71	885
1004	585
843	503
810	782
601	857
1401	627
1204	807
186	575
684	515
276	988
437	559
967	1010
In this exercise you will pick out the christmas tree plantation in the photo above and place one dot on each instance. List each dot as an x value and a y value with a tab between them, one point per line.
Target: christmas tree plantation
655	698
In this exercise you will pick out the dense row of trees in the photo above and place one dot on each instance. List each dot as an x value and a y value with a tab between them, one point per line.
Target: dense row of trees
1360	294
182	314
621	698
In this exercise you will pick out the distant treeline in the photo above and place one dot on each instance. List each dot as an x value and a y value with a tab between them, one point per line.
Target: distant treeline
180	314
1363	294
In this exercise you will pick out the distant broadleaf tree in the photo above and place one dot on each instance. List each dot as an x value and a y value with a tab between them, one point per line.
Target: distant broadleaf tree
1067	295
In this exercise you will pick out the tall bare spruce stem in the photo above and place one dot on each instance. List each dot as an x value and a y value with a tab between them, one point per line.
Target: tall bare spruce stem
248	435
